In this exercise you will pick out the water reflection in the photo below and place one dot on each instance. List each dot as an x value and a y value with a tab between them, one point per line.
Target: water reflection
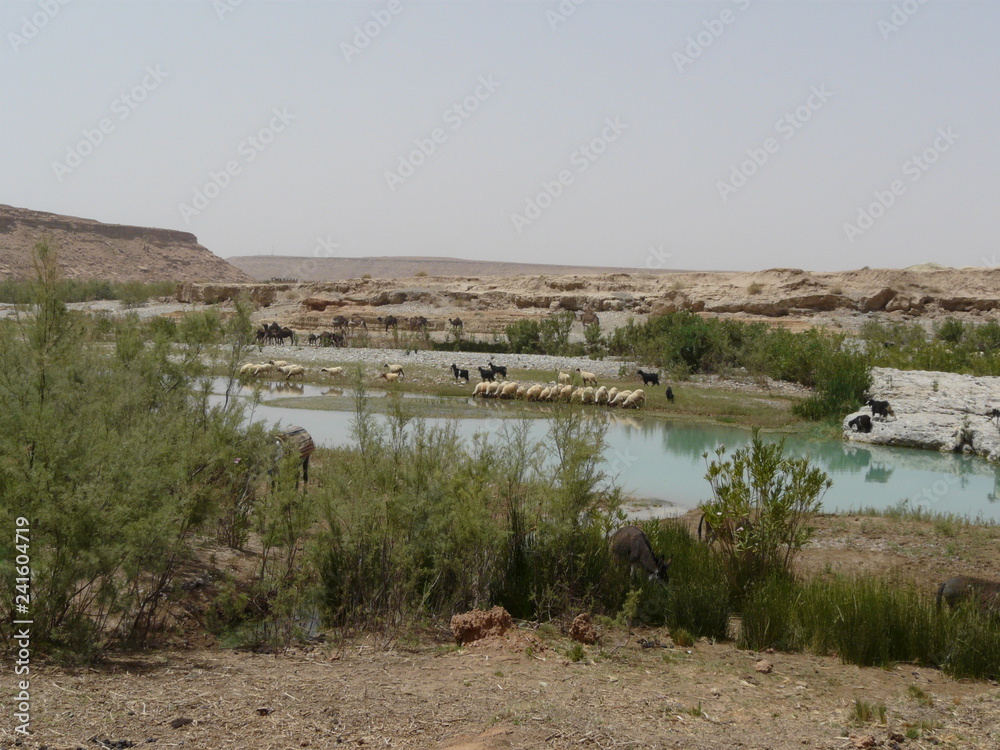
662	461
878	472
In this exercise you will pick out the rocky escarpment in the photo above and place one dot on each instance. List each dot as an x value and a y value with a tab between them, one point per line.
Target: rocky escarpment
774	293
88	249
934	410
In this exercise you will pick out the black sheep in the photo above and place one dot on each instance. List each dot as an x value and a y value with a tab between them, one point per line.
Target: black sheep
649	378
861	423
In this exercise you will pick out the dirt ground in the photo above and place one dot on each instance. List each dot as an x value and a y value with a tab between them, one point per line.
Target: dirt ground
416	689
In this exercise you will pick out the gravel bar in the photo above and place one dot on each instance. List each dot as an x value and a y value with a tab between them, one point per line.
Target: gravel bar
325	356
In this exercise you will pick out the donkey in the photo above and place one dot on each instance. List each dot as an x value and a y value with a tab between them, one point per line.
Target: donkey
985	593
631	545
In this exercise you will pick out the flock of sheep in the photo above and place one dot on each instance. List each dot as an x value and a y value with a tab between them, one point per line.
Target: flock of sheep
490	387
567	392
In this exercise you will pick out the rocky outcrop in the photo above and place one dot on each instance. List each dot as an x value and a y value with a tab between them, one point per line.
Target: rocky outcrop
261	294
878	301
934	410
88	249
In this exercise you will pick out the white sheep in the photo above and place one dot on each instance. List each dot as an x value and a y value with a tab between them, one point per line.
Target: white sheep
635	400
601	395
279	363
522	392
611	396
620	398
390	377
563	378
544	394
395	369
566	392
508	390
293	371
587	395
535	393
588	377
480	390
493	389
333	372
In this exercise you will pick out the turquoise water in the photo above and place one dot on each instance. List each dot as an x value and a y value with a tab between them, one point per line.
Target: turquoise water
661	462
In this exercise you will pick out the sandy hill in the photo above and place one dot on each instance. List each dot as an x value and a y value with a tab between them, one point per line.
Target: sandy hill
267	267
88	249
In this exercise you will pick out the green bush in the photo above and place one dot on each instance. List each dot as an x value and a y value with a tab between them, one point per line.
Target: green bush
843	381
697	598
423	521
769	615
871	621
761	506
524	337
119	461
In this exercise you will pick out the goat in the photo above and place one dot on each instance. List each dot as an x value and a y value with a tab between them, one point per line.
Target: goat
861	423
670	394
459	373
485	373
631	545
390	321
498	370
994	414
986	593
649	378
880	408
456	323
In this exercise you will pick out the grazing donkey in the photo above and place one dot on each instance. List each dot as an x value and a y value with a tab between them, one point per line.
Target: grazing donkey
985	593
631	545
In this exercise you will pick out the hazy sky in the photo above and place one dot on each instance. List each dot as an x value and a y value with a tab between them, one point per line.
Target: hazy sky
700	135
